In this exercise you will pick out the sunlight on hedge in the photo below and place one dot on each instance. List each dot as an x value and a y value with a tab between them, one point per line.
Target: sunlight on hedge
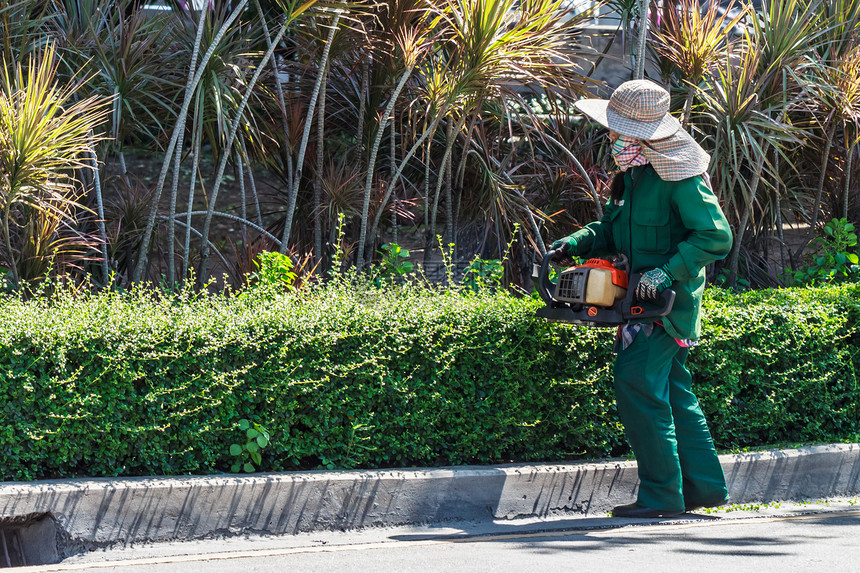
349	375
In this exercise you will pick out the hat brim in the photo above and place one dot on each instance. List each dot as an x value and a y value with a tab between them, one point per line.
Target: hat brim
598	110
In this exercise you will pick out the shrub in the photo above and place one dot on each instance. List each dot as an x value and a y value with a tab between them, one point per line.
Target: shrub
348	375
781	365
832	258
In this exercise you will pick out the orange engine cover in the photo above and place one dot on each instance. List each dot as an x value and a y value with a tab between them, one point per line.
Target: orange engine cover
619	277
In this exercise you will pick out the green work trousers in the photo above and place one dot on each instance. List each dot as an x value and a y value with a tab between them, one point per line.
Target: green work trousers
678	465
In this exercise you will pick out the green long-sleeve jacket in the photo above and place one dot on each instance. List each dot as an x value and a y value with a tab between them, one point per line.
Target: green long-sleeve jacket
674	223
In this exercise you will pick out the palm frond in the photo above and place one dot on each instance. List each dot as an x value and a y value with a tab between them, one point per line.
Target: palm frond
694	37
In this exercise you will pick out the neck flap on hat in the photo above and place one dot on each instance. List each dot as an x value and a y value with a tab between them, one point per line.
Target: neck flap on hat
677	157
627	153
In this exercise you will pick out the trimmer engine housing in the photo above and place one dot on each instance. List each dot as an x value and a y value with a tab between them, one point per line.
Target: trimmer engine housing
598	282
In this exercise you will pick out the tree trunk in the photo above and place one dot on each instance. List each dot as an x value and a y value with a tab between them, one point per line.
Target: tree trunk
449	147
780	232
428	232
318	230
362	104
368	183
449	207
739	236
197	136
605	51
279	89
644	6
825	159
467	144
240	176
688	106
392	169
252	181
238	219
171	227
225	156
849	156
461	176
190	88
123	168
294	192
100	206
13	264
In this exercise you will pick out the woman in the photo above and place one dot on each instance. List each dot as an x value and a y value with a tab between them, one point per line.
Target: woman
664	217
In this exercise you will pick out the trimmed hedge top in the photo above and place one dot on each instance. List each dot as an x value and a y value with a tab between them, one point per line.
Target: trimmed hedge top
348	375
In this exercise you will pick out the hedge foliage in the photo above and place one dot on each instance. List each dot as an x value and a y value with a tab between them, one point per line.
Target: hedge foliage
348	375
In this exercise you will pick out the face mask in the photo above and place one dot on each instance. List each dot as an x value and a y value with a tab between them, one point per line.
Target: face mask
627	153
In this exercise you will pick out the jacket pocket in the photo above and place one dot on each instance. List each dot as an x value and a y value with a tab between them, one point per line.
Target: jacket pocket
651	230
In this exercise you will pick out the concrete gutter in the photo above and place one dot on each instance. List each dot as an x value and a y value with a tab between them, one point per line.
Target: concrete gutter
92	513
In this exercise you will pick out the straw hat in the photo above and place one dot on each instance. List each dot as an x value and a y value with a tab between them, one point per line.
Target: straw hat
640	109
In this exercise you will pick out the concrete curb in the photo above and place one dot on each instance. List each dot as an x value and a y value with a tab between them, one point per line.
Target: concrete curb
99	512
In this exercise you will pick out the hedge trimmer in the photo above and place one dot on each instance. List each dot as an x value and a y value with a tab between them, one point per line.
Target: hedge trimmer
598	293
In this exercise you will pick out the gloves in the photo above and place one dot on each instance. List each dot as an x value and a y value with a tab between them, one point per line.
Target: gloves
567	246
565	250
653	283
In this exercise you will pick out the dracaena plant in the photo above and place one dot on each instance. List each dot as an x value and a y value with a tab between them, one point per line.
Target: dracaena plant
783	34
832	79
836	105
745	107
745	134
49	245
693	39
411	44
45	139
20	23
134	61
488	48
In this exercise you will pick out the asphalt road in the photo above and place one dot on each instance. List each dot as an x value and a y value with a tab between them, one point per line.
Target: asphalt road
816	536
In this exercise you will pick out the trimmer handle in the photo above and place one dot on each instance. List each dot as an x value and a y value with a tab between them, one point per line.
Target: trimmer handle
545	286
628	309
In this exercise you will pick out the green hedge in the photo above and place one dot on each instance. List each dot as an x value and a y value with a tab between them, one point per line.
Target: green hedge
354	376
